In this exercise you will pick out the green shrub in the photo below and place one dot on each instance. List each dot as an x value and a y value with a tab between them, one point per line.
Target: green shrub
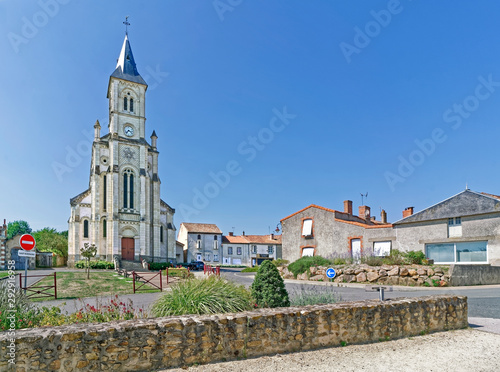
250	269
415	257
280	262
311	295
95	264
339	261
157	266
303	264
212	295
395	258
182	273
15	307
373	260
268	287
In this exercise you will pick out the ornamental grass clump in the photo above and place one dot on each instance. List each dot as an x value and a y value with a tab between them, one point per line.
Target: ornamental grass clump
311	295
212	295
268	288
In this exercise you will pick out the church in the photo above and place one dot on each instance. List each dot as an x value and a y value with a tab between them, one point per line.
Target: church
121	211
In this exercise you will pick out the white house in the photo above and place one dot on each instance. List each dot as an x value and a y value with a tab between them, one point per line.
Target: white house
250	250
202	242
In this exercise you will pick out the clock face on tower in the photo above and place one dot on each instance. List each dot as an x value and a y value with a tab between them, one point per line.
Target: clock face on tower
129	131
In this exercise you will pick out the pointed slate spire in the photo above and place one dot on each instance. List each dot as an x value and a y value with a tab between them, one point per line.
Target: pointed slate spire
126	68
154	137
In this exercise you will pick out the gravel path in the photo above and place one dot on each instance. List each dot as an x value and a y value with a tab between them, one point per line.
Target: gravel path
464	350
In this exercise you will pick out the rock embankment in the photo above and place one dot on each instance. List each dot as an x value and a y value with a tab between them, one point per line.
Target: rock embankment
409	275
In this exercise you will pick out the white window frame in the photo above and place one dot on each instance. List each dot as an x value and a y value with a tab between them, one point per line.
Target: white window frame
382	249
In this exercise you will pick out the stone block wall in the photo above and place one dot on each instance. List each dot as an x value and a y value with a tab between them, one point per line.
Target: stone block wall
142	345
409	275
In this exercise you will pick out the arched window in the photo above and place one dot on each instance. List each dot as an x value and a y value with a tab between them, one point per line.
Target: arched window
131	105
86	228
128	189
104	228
125	103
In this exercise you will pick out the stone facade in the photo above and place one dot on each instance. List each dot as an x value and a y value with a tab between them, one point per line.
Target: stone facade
144	345
463	229
121	211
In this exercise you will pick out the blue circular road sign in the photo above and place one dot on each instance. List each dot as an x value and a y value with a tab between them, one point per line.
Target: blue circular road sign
330	273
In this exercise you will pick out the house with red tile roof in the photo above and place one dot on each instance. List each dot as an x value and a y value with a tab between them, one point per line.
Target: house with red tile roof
317	230
462	229
250	250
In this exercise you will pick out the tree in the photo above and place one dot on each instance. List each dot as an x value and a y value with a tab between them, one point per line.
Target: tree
268	287
49	240
88	251
18	228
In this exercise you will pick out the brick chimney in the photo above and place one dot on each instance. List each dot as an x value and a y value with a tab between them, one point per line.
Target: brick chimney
407	212
231	233
272	236
364	212
243	233
348	206
383	216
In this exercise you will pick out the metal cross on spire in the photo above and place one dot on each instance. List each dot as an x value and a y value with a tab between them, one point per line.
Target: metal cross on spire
126	23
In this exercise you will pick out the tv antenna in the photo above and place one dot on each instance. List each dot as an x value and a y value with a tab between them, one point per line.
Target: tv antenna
362	197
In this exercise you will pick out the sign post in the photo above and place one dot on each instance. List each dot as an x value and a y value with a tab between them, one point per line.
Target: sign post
27	243
330	273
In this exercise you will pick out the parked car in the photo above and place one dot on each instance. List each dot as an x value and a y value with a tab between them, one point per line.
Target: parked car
196	265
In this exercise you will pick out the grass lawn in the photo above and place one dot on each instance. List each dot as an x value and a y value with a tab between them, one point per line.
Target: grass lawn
3	274
76	285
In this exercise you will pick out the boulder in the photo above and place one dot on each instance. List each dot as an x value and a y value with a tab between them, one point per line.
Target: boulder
349	271
361	277
358	271
412	272
393	280
420	281
382	272
313	270
386	267
421	271
339	279
302	276
403	271
349	278
430	272
435	277
372	276
393	272
317	277
438	270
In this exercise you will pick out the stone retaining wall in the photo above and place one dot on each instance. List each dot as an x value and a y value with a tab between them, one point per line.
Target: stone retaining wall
410	275
141	345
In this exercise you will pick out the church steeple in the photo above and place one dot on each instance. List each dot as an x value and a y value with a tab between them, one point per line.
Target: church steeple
126	68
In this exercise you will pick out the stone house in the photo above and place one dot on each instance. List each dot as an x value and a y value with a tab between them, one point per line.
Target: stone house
464	228
326	232
250	250
202	242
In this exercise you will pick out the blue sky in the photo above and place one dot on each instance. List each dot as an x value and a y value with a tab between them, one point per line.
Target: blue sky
307	102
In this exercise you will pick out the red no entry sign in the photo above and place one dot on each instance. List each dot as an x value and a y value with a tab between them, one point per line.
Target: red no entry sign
27	242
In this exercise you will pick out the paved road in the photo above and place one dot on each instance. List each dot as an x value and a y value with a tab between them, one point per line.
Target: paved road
483	301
